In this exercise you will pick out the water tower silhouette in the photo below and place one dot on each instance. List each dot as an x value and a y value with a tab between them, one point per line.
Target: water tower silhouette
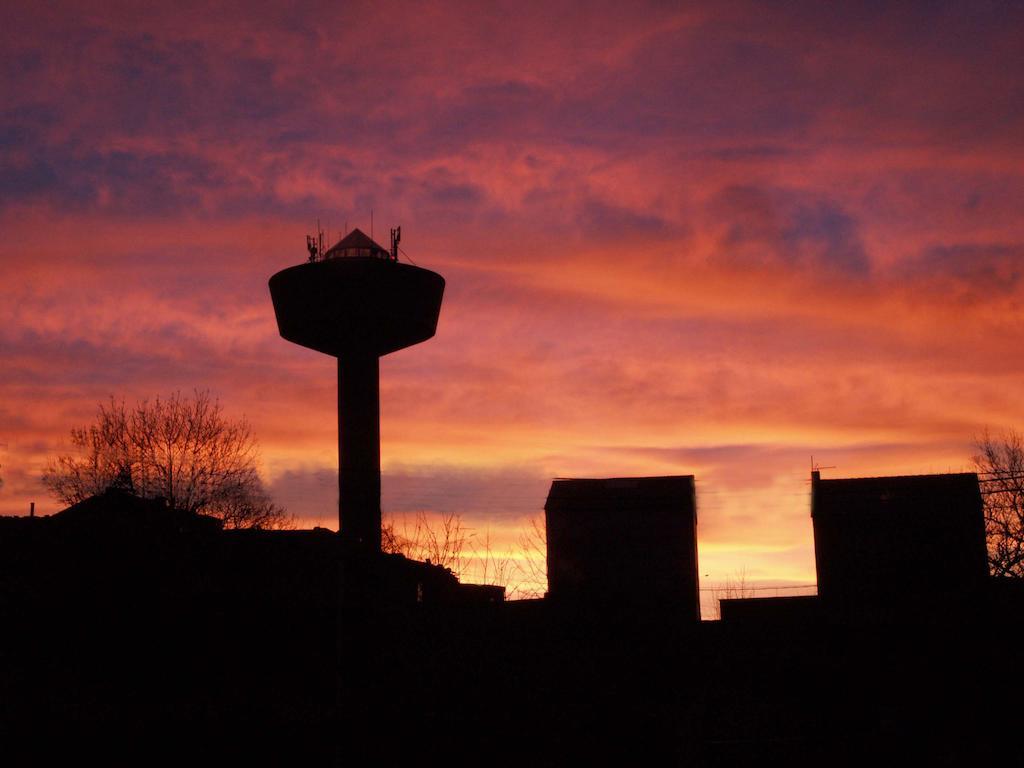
355	301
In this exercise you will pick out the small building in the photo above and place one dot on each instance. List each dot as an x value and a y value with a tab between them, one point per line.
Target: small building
628	540
788	610
899	548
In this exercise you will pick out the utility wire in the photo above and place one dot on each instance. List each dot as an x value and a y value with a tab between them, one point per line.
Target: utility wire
402	251
756	589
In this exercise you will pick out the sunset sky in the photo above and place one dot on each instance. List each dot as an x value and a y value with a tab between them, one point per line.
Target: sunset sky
677	240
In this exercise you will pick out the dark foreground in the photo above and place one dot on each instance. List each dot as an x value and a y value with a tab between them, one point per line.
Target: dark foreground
175	642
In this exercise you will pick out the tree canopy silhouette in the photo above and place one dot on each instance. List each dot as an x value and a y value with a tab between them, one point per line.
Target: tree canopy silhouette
1000	462
182	448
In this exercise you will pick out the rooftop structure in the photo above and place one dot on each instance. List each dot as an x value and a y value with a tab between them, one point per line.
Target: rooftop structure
356	244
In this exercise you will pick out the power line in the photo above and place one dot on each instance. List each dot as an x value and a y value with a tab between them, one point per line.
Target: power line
736	588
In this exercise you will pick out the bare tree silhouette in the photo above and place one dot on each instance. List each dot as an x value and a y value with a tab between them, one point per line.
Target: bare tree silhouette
445	540
443	543
734	588
1000	464
182	448
533	547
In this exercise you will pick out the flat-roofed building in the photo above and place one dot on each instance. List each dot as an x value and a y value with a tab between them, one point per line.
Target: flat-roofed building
890	548
632	540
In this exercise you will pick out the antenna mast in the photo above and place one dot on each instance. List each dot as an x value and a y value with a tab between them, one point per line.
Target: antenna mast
396	236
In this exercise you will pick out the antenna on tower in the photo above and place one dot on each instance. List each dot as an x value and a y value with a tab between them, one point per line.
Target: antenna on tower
314	244
371	223
396	236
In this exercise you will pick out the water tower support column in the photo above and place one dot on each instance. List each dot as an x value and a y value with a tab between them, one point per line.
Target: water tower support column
359	447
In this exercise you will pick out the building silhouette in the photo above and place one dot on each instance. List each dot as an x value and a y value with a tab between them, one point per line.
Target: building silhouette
921	538
624	540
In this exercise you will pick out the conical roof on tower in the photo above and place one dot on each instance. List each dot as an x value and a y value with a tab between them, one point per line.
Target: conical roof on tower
355	243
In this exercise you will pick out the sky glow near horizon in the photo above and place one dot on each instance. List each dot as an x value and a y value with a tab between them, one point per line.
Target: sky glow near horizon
676	241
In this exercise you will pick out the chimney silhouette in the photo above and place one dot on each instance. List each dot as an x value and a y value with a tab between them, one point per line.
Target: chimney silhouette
357	303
